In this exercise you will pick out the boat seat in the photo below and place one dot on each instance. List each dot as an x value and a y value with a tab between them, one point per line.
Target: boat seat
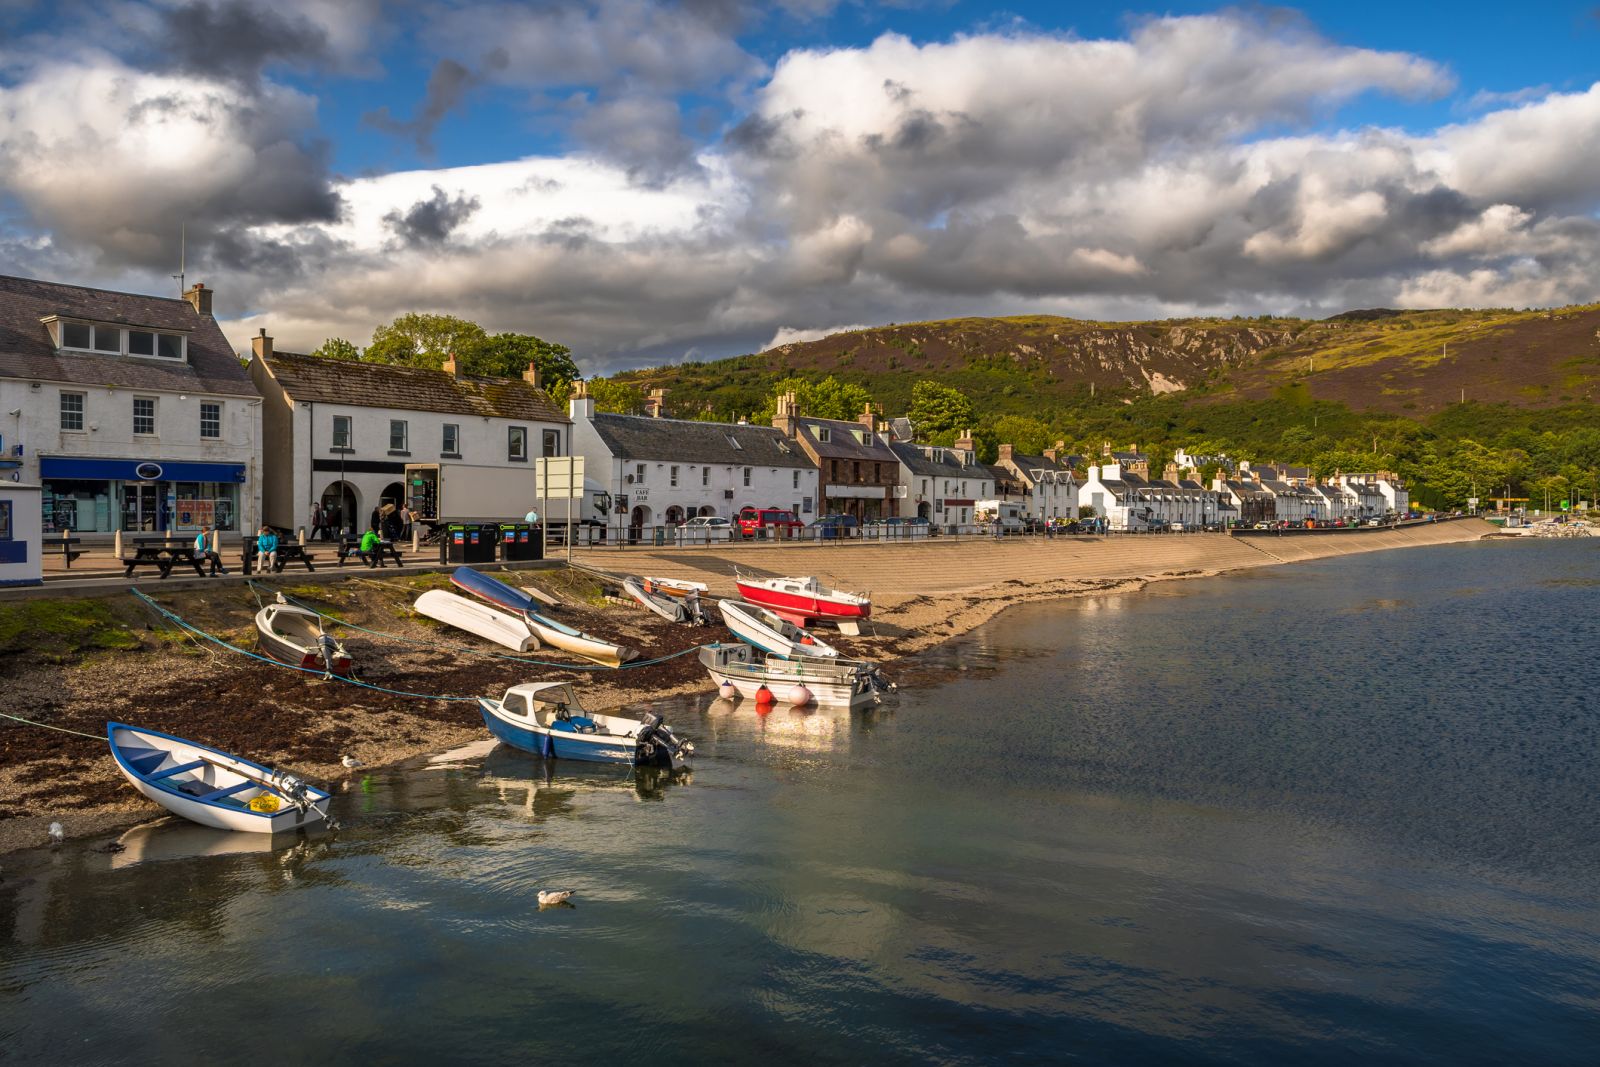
226	791
179	769
575	725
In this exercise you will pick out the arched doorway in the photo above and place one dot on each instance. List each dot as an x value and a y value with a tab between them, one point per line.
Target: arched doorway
708	511
925	510
341	506
389	501
637	523
674	516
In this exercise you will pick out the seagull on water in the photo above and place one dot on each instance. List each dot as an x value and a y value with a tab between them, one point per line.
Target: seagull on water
57	835
350	763
550	897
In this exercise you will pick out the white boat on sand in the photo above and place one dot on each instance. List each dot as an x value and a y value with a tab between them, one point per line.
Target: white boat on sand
547	630
210	787
772	633
501	627
681	606
837	682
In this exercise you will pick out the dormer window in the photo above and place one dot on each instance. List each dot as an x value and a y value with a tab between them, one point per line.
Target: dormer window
118	340
823	435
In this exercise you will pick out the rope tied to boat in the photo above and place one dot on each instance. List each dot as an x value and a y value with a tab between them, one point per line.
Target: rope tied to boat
47	726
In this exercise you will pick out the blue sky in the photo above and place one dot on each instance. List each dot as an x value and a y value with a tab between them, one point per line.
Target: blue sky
649	181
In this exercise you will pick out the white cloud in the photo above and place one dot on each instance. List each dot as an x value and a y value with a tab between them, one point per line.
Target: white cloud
789	335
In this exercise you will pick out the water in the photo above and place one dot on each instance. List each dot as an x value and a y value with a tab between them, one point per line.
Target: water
1332	813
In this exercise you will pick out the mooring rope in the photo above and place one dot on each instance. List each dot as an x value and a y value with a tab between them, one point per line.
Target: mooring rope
47	726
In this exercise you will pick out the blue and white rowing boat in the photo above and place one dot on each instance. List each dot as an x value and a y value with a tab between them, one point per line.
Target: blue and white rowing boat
212	788
546	719
547	630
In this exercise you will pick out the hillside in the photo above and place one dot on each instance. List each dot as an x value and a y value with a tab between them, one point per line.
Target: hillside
1412	364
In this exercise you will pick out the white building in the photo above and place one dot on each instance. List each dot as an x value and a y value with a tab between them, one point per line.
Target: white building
1049	488
943	485
131	412
662	471
1114	494
341	432
21	535
1377	494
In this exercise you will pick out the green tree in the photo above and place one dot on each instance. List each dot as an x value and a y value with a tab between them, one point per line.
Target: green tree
1027	435
619	398
936	409
507	355
827	399
337	348
419	339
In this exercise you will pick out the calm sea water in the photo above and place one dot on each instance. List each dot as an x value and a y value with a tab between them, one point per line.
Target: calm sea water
1336	813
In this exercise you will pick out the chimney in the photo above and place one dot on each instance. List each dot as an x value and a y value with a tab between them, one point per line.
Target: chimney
1105	448
868	418
580	405
200	297
451	367
786	416
655	403
531	375
1053	454
1005	455
261	345
965	444
1171	472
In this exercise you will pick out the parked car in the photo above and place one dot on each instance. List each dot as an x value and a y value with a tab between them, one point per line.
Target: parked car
768	522
704	529
833	527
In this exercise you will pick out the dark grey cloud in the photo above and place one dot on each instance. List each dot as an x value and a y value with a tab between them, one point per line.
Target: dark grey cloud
236	39
430	222
447	90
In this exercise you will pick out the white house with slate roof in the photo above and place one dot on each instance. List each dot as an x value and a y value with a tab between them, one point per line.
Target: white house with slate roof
943	485
662	471
131	412
341	432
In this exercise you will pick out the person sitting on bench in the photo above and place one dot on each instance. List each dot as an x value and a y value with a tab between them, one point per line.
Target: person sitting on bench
203	552
371	551
267	549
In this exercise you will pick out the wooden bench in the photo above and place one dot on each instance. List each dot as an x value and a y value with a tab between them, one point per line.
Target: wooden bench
288	552
385	550
162	555
62	546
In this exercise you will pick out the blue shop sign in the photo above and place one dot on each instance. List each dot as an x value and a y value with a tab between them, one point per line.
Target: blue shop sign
138	470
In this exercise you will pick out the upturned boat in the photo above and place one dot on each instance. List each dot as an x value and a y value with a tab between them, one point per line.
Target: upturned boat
683	606
837	682
804	599
296	636
771	633
211	787
547	720
501	627
547	630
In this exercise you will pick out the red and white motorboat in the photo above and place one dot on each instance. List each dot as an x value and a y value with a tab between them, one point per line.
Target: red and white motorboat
804	599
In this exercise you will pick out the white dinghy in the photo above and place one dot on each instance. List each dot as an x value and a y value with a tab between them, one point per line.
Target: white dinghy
772	633
212	788
838	682
500	627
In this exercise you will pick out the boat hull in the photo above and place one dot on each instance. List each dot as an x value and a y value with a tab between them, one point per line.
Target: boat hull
501	627
293	648
559	745
774	636
549	631
221	814
843	684
803	605
664	606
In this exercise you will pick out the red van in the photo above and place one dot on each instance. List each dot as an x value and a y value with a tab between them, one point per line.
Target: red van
754	521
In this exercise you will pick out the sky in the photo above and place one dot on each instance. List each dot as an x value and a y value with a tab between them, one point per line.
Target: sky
652	182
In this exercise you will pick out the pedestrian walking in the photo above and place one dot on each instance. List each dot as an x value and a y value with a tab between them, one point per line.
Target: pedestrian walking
319	520
407	516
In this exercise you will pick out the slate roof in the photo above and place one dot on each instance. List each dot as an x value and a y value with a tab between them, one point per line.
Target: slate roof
947	466
841	443
27	352
381	385
638	437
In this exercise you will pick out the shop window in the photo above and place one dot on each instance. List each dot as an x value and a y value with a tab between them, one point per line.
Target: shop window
210	421
451	445
398	435
341	432
517	444
72	411
144	415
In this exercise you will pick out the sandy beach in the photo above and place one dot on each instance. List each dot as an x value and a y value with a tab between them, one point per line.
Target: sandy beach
923	593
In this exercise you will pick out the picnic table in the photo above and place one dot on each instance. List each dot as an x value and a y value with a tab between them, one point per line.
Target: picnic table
163	554
288	552
350	546
62	546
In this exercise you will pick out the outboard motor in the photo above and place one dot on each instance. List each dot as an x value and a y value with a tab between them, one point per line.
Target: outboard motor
291	787
657	745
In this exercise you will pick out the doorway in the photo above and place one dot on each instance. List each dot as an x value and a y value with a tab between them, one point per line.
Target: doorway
141	507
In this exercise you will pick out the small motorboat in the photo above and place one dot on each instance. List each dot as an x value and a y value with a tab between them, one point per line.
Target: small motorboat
501	627
547	720
295	635
210	787
837	682
547	630
678	586
772	633
804	599
681	607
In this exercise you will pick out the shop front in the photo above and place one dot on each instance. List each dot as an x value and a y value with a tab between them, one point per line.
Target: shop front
88	495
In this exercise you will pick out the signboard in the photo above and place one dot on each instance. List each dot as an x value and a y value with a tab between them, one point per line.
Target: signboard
196	513
559	477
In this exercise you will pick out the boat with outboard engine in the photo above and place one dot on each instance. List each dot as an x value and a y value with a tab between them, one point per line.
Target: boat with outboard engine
295	635
547	720
839	682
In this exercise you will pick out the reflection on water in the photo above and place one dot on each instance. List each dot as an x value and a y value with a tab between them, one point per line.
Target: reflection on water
1335	813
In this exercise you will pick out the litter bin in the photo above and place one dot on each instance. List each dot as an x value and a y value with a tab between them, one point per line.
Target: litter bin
661	535
521	541
468	542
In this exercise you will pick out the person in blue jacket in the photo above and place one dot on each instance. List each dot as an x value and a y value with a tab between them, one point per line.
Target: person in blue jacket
267	548
204	553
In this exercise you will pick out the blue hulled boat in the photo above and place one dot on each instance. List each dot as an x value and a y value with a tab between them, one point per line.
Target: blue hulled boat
546	719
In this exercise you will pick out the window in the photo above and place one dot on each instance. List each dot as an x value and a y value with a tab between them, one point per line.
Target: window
72	411
210	420
398	435
796	479
638	472
169	346
673	480
733	442
342	437
141	343
552	443
76	335
107	339
747	476
517	444
144	414
451	445
705	476
823	435
5	520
